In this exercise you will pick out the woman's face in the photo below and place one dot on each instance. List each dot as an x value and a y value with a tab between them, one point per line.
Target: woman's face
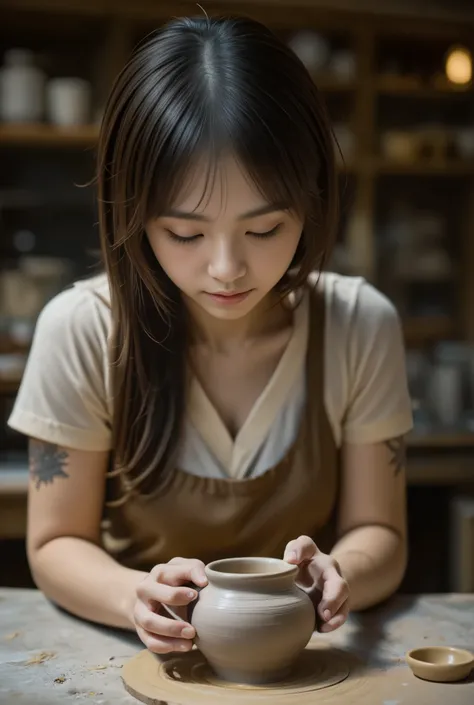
228	250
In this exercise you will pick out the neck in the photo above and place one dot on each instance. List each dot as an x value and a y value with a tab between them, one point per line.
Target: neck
266	318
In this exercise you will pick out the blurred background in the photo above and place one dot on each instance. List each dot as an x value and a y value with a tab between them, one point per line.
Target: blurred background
397	79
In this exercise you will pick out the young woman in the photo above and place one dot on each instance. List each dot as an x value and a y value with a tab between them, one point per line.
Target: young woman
214	393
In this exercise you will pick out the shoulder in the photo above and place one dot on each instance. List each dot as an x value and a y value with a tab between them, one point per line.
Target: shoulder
362	324
64	394
366	389
353	304
81	310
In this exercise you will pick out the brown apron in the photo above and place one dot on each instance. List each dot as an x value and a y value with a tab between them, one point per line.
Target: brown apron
207	518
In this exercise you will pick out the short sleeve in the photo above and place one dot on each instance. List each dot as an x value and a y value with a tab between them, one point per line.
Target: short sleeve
378	400
63	393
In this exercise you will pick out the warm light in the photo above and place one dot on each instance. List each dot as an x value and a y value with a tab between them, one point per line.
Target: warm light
459	65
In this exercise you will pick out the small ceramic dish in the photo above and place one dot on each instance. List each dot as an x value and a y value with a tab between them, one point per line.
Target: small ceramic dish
441	664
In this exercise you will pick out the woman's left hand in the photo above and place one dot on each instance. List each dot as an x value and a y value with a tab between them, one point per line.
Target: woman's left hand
320	573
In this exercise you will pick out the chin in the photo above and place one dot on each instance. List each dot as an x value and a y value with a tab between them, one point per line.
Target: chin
230	312
233	313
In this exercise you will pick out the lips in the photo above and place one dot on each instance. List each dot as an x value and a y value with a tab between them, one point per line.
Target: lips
228	295
229	298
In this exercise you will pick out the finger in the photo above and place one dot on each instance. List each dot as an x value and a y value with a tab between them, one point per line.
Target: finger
198	575
181	612
194	568
150	591
305	578
335	593
162	626
163	645
334	596
177	574
337	621
300	549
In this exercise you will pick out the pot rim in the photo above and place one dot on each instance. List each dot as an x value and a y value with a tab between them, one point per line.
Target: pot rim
280	568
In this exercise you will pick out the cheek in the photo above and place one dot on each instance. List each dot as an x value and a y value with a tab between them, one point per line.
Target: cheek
292	245
167	257
154	244
179	262
276	259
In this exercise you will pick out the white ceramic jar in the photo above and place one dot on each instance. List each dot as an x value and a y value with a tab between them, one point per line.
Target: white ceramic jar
68	101
21	87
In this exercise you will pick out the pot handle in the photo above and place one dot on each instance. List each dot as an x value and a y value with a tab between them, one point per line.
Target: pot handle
191	606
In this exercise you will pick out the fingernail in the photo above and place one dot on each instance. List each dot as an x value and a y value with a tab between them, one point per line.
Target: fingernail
187	632
191	594
327	615
183	647
292	556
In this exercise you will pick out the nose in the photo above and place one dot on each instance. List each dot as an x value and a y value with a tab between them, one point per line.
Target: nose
226	265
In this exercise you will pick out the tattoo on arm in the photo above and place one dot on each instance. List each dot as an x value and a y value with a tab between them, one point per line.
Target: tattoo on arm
46	462
397	448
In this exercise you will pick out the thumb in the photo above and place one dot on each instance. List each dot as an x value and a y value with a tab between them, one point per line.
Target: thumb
300	550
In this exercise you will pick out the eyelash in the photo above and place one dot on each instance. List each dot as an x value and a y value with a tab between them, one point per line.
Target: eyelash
193	238
182	240
269	233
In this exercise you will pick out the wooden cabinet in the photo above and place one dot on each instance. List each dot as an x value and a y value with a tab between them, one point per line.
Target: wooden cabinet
404	168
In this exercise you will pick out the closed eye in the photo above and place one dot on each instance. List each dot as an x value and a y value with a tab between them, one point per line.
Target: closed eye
192	238
267	233
182	240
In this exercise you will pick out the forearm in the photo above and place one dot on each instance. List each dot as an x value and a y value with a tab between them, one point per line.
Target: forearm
84	580
373	561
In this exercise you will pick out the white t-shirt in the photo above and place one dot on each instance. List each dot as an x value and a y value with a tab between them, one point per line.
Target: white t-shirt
65	395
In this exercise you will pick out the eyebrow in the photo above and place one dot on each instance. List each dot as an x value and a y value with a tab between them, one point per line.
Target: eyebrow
262	210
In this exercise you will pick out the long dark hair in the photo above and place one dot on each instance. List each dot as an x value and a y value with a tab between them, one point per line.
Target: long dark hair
192	89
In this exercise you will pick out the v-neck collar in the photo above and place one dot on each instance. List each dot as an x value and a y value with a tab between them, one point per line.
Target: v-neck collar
235	454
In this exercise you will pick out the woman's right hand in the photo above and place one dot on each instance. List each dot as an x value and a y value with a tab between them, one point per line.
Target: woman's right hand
164	586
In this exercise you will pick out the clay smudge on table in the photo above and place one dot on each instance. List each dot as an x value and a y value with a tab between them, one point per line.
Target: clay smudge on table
40	658
10	637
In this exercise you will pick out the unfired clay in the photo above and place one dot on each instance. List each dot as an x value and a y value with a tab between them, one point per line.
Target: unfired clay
252	621
441	664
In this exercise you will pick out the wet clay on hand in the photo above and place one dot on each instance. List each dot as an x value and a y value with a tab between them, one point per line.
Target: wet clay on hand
252	621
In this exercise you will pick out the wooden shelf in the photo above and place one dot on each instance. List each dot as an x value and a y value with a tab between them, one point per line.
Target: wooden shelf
428	470
417	331
14	480
440	470
442	440
424	329
401	87
38	200
9	346
9	386
420	168
40	135
328	84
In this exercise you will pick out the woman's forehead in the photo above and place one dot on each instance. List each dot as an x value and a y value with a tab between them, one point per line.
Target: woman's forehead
213	189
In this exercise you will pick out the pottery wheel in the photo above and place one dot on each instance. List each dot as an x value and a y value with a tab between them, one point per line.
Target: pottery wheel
187	679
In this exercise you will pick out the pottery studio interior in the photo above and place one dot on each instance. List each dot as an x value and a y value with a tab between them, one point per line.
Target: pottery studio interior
396	77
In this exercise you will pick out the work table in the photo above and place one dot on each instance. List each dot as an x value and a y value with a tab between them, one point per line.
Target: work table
48	657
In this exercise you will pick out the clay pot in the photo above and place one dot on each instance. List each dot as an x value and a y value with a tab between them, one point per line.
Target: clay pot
252	621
